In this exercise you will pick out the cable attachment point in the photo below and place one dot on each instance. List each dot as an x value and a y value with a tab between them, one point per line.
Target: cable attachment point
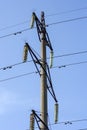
51	59
25	53
34	117
32	121
56	112
32	20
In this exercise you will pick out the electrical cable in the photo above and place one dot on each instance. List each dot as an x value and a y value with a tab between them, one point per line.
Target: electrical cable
55	14
15	33
10	66
35	72
18	76
70	54
72	64
69	122
50	24
68	11
69	20
57	56
14	25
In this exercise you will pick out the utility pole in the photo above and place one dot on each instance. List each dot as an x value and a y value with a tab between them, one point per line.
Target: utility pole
44	106
44	73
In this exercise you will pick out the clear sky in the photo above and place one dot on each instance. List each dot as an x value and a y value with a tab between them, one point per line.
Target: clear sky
20	95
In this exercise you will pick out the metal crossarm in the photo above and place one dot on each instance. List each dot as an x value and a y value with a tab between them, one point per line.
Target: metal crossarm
50	89
37	61
38	25
38	119
49	42
42	27
34	57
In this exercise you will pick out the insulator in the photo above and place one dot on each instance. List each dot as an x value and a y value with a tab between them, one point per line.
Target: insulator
56	112
32	121
25	53
32	20
51	59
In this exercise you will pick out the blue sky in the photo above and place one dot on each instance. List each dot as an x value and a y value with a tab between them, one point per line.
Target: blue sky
20	95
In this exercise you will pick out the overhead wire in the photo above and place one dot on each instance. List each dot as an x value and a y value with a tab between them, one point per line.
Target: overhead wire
69	20
15	33
71	64
71	54
14	25
50	15
50	24
66	12
35	72
57	56
16	64
68	122
18	76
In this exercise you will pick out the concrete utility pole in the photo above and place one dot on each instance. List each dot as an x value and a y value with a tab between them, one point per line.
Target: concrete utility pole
44	73
44	106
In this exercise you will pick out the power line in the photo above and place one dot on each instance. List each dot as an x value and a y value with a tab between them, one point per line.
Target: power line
71	122
71	64
35	72
10	66
57	56
66	12
71	54
68	122
14	25
69	20
18	76
50	15
50	24
15	33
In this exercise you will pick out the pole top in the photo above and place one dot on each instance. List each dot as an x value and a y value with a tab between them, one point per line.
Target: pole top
42	18
42	13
